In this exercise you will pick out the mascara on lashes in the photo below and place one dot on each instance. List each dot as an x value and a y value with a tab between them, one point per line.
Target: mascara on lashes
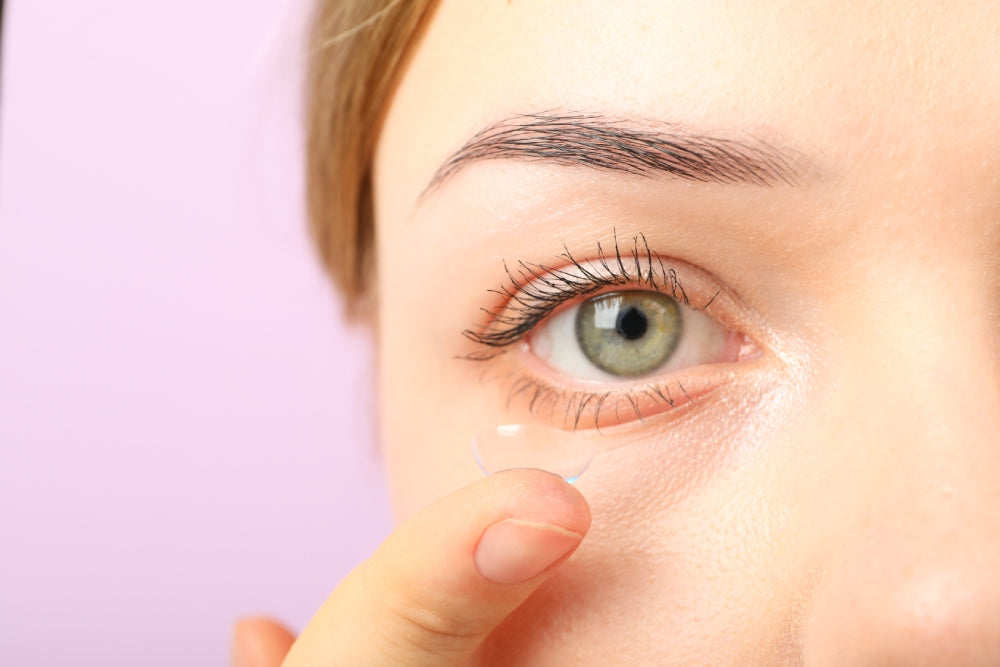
535	290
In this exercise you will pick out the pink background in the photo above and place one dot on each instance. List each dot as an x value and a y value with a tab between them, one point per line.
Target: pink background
185	425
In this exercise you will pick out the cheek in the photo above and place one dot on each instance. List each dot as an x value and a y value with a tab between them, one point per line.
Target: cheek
678	551
431	404
426	422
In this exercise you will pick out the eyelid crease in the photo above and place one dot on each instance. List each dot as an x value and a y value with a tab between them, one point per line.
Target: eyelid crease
535	291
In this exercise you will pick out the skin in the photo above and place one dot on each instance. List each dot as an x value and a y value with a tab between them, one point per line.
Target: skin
834	501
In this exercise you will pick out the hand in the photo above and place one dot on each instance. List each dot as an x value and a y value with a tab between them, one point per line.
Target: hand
440	583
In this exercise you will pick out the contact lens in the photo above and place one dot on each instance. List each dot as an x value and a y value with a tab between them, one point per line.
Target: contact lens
511	446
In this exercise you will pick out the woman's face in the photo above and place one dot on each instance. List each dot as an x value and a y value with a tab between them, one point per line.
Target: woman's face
815	476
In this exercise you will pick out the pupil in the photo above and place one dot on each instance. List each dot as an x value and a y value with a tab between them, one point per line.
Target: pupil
631	324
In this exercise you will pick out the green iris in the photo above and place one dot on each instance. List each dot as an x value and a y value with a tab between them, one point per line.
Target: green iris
628	333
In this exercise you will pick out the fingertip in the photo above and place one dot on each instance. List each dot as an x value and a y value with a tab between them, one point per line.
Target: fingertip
545	497
259	642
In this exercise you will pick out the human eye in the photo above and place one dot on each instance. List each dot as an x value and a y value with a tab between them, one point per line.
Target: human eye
612	339
626	334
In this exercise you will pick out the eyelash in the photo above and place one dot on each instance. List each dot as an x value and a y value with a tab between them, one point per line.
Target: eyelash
535	291
577	402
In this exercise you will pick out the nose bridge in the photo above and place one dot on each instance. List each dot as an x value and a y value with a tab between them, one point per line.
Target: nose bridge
941	436
947	428
940	431
916	578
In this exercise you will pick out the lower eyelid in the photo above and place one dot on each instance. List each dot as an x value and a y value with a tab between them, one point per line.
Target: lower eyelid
575	406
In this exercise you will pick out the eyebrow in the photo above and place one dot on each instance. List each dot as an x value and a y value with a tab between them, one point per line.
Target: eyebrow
632	146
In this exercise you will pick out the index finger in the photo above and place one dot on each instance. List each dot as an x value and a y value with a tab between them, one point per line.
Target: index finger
448	576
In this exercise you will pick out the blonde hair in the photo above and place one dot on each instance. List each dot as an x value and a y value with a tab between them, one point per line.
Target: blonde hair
356	52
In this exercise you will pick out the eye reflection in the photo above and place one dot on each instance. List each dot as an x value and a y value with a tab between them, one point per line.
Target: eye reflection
628	334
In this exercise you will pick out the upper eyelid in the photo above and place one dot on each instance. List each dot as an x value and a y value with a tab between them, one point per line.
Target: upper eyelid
535	291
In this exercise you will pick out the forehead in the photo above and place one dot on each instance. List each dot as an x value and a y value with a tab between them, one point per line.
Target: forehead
864	85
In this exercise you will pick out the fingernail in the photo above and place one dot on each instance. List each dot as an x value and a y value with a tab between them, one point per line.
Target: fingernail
513	551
